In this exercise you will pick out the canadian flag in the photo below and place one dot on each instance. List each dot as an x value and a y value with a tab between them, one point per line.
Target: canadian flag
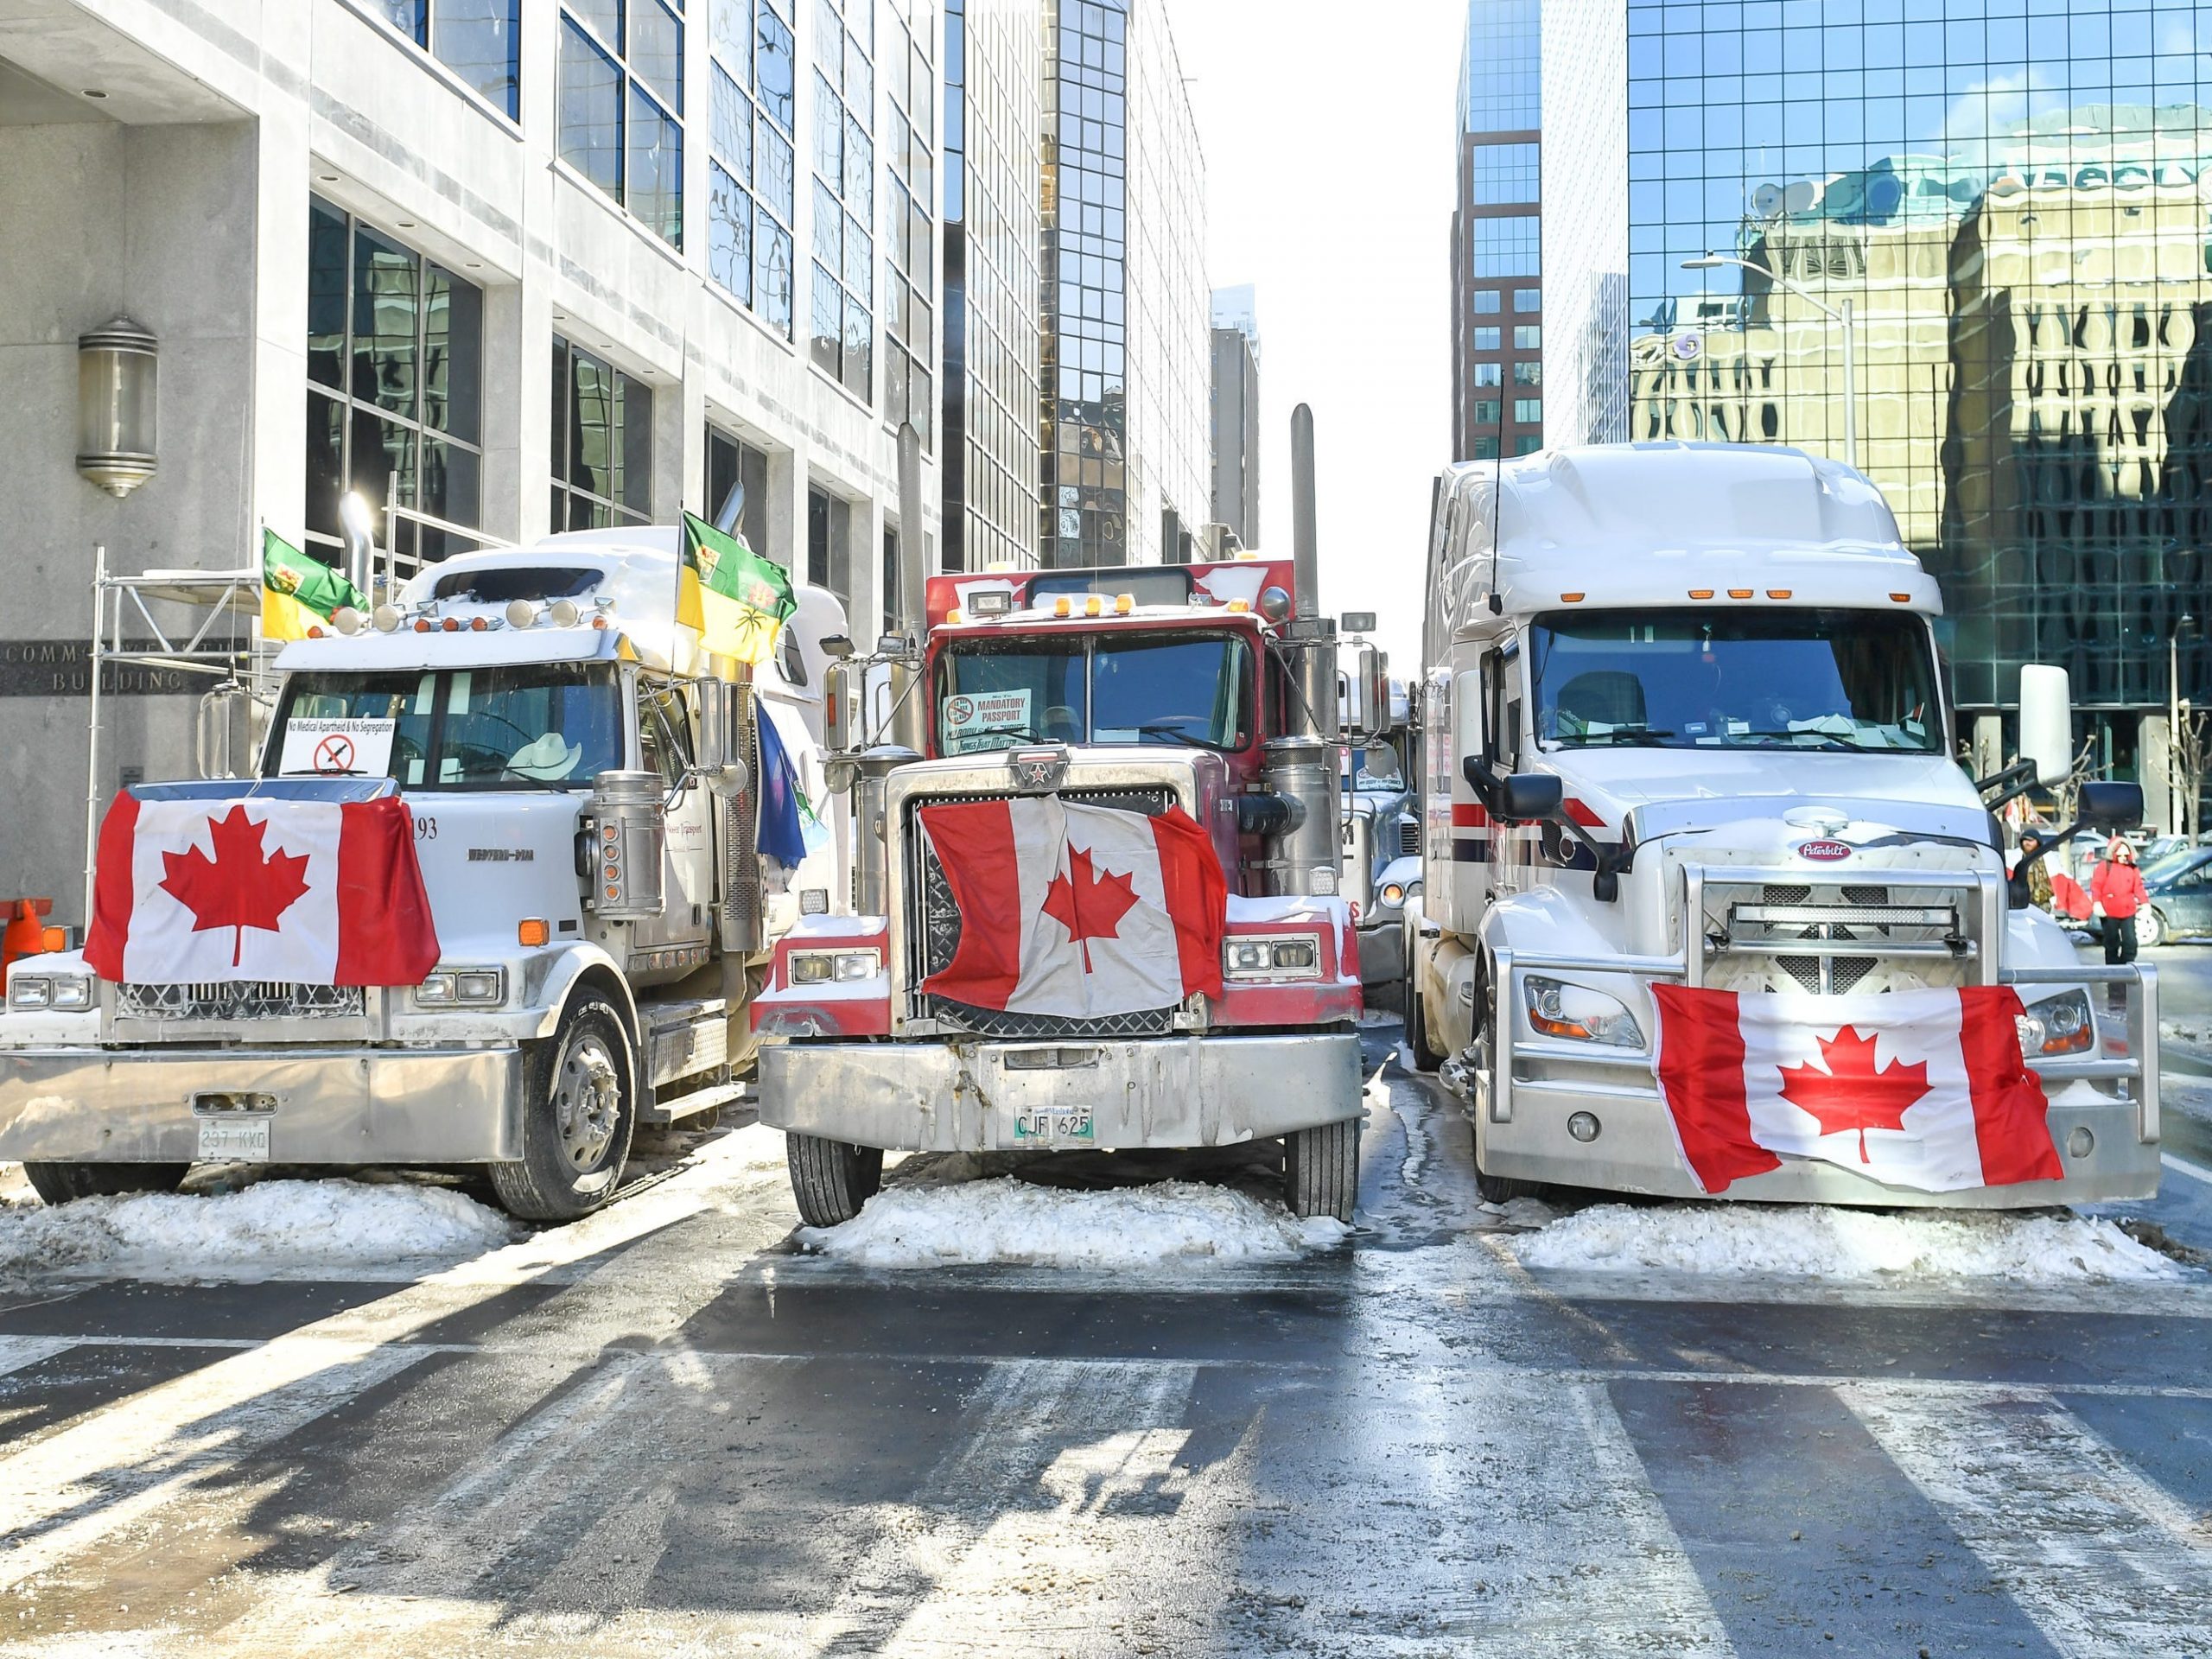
1918	1089
1076	911
307	893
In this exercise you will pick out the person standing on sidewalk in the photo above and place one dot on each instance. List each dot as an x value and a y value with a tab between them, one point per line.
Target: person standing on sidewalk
2117	888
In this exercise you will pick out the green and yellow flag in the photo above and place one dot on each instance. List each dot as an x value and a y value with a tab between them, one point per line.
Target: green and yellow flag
298	592
736	599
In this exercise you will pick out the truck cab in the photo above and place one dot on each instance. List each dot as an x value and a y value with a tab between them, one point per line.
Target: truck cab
582	783
1685	723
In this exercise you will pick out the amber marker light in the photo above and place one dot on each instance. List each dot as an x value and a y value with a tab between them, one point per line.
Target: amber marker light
1570	599
1062	607
1094	605
421	624
452	624
1700	593
1124	603
1778	592
53	939
531	931
1902	599
1739	593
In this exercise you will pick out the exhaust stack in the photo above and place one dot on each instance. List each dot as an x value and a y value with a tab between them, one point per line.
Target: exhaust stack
909	707
1302	766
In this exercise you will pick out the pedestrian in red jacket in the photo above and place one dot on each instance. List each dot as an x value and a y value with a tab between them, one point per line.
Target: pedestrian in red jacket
2118	889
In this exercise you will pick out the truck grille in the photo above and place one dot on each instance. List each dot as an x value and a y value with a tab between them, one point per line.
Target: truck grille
249	1000
1408	837
933	943
1801	935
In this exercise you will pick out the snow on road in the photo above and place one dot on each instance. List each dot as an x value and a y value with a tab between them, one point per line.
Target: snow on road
1842	1244
1008	1220
270	1224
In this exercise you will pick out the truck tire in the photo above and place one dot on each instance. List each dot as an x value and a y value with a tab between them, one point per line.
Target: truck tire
60	1183
1494	1189
1320	1170
579	1113
1425	1058
831	1179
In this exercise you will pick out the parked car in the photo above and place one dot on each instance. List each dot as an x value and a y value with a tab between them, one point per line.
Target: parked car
2180	889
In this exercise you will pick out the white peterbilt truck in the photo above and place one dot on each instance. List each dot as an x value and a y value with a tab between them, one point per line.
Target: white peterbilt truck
537	708
1686	722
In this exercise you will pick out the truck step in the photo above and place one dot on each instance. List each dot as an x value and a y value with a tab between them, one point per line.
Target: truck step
660	1113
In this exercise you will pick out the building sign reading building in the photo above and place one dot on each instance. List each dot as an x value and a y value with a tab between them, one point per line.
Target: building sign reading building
63	668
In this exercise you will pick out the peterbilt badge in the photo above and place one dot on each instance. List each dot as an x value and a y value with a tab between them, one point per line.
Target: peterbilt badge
1036	772
1824	852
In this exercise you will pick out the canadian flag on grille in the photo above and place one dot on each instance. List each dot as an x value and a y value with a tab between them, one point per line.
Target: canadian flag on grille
1079	912
307	893
1918	1089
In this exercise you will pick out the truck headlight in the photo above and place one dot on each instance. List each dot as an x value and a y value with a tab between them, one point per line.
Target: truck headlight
71	991
463	988
2058	1025
29	991
1392	895
1579	1014
1298	956
834	967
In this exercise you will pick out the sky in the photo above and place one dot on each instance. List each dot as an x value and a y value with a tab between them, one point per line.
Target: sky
1328	132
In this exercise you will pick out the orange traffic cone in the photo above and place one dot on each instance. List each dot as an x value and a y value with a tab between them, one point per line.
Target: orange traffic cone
25	934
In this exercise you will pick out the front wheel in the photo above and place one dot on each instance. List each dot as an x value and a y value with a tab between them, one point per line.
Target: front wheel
1424	1058
60	1183
578	1116
2151	929
1493	1189
831	1179
1320	1170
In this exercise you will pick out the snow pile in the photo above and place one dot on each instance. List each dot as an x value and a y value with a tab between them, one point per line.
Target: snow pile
1008	1221
269	1224
1824	1243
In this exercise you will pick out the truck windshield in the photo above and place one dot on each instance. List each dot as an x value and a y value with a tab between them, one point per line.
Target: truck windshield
1194	690
1838	680
503	727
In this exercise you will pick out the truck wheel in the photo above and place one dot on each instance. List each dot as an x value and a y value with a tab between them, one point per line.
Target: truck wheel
579	1112
830	1179
1320	1170
1424	1058
1494	1189
60	1183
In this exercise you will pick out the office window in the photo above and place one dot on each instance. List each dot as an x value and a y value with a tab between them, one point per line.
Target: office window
1528	337
1489	411
843	298
1527	299
394	373
1526	444
732	461
829	544
751	166
1505	175
602	443
478	40
1487	301
621	105
1507	247
1485	449
1527	374
910	388
1489	374
1486	339
1528	410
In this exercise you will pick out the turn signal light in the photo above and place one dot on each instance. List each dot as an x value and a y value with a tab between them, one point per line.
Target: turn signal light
52	940
532	932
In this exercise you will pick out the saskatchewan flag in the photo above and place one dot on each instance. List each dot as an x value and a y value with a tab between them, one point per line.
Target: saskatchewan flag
736	599
297	592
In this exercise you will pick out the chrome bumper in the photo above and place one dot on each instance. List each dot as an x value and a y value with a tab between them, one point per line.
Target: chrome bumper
323	1106
1000	1096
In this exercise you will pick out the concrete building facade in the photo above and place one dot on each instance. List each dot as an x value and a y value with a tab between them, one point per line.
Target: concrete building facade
527	265
1236	414
1126	471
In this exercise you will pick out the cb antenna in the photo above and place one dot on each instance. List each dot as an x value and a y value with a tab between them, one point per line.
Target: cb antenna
1497	492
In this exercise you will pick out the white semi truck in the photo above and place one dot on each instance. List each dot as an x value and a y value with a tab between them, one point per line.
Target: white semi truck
580	781
1685	723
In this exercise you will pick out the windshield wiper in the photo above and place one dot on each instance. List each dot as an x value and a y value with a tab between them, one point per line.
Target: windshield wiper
1167	729
506	777
1638	736
1835	738
1003	731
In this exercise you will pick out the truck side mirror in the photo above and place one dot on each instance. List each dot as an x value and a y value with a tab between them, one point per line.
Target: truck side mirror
2111	806
840	706
1523	797
2046	723
1363	692
222	734
720	760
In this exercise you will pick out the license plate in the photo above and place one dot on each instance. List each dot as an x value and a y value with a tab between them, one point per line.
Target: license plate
236	1141
1054	1126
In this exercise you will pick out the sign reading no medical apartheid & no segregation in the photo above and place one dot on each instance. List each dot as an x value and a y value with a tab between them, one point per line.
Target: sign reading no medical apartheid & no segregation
308	893
337	748
1917	1089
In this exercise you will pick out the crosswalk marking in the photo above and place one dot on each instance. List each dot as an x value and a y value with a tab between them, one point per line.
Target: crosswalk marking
2106	1563
20	1353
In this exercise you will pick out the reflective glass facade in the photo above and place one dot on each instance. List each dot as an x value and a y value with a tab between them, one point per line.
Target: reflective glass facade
480	40
752	170
843	292
621	105
993	73
2009	197
1126	331
1496	250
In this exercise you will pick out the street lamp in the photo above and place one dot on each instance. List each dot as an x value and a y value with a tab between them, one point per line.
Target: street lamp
1715	261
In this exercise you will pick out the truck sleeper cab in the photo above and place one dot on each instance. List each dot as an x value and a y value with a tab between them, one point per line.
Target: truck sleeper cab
532	703
1685	723
1136	691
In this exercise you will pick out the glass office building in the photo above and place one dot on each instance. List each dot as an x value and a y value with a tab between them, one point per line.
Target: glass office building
1498	320
2002	206
1125	307
993	82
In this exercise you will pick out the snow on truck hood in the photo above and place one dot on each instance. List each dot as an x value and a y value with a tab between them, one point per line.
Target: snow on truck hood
1673	790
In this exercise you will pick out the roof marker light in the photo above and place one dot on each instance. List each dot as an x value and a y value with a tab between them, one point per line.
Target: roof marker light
452	624
1061	605
1238	606
1570	599
421	624
1094	605
1124	603
1739	593
1902	599
599	622
953	618
1700	593
314	632
477	625
1778	592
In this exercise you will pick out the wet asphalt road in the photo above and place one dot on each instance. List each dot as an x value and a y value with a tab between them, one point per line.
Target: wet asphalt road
660	1432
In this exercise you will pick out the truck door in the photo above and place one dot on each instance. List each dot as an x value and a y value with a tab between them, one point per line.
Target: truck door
665	743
